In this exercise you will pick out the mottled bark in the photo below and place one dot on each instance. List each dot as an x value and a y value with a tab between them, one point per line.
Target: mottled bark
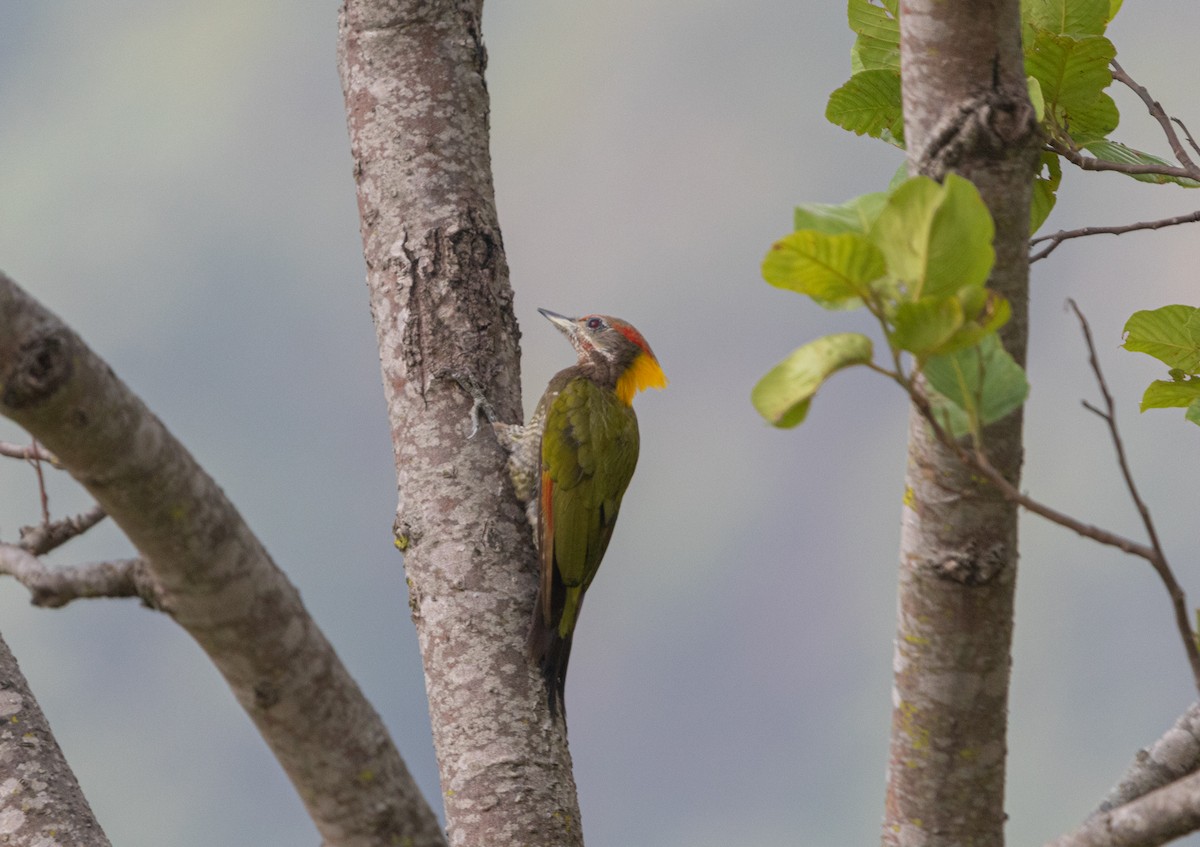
966	110
40	801
417	109
1171	757
1160	816
216	580
53	586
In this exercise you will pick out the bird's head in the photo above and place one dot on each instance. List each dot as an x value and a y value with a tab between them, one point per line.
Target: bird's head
613	346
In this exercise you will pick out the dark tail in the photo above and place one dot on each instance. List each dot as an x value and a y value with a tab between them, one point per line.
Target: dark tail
551	653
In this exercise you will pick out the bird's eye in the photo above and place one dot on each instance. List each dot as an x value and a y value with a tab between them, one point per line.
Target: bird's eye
594	323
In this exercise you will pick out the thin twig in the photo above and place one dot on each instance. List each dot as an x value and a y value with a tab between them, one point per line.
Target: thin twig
981	463
27	452
53	587
36	462
1187	133
1159	559
41	539
1063	235
1091	163
1159	114
978	460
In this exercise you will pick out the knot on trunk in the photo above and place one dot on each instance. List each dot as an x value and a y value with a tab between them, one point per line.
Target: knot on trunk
41	366
992	125
971	565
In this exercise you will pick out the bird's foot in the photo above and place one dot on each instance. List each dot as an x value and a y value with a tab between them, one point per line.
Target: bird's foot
480	406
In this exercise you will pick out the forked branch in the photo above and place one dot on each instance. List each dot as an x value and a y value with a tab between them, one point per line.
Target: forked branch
52	587
40	540
1162	815
1159	114
1186	169
1091	163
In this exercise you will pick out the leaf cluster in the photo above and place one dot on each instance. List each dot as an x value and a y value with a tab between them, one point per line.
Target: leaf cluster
1067	66
917	259
1171	335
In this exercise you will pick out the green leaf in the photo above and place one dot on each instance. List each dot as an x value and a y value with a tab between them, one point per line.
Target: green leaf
1114	6
878	43
1193	413
784	394
868	103
896	141
1073	73
1036	98
923	326
934	327
1045	187
1170	334
986	320
834	270
1073	17
1168	394
975	387
1092	122
1115	151
856	215
936	238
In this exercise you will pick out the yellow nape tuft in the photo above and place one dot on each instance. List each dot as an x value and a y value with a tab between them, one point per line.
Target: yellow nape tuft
645	372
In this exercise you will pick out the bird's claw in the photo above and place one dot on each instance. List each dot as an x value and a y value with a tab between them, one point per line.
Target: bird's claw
480	406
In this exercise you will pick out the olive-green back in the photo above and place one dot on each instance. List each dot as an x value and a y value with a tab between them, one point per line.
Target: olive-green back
589	451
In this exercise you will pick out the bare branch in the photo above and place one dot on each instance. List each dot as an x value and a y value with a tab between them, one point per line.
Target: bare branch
1153	553
1055	239
53	587
217	580
1187	133
1159	114
27	452
1091	163
1155	818
1159	559
1111	539
40	540
1176	754
978	460
43	495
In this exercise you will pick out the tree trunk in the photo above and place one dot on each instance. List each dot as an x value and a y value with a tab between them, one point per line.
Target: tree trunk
40	800
966	109
417	109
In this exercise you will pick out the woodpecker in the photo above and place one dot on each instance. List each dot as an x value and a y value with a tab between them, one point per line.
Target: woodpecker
571	465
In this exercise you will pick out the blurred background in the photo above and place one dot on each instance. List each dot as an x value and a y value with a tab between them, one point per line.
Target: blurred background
175	183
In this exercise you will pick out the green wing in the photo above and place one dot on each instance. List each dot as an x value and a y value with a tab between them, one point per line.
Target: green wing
589	451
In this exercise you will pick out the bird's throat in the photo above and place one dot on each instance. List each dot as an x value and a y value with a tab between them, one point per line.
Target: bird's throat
644	372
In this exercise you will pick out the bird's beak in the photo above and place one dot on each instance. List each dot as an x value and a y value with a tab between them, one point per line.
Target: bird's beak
565	325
